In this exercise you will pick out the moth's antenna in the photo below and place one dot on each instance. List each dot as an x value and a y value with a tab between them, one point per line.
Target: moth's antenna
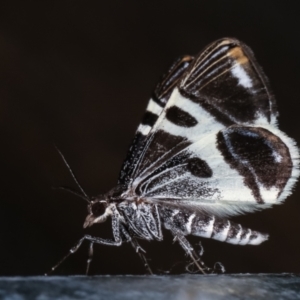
73	175
70	190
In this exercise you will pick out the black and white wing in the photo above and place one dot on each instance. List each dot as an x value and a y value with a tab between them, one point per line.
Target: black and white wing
209	139
155	107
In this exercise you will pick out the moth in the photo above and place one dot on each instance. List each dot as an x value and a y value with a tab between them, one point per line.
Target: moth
208	148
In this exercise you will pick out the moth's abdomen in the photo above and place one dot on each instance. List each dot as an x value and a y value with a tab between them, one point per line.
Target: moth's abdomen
224	230
209	226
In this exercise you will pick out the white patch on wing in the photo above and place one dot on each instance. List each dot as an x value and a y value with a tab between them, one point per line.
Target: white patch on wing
277	157
238	72
154	108
144	129
261	121
268	195
228	181
206	122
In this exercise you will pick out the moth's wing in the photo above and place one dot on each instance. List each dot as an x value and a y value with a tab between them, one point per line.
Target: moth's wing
154	108
222	86
238	169
225	80
180	161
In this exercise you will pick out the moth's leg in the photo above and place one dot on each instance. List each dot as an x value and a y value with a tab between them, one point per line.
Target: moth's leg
93	240
191	268
90	257
158	222
116	242
116	233
138	249
187	247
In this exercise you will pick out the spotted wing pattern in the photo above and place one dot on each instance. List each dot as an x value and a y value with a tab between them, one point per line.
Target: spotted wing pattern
212	142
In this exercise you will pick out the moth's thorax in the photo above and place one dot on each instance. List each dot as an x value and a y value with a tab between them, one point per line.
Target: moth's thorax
118	193
103	206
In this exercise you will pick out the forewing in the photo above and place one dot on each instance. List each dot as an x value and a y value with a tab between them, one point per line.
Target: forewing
155	106
226	80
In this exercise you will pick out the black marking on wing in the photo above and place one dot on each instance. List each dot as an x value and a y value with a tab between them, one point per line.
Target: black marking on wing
149	118
258	155
199	168
179	117
226	80
133	155
169	80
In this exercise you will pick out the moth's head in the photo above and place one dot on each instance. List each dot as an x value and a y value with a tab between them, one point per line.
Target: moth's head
98	212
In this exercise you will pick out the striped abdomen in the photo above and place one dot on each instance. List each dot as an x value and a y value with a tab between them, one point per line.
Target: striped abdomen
209	226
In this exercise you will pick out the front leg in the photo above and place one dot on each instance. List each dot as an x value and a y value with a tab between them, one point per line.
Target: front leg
92	240
116	233
116	242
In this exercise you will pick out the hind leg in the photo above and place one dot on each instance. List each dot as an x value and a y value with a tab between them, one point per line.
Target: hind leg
189	250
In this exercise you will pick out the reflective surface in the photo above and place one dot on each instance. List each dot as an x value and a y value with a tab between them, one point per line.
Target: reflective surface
256	286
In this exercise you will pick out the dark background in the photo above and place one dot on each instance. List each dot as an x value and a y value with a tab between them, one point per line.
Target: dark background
79	74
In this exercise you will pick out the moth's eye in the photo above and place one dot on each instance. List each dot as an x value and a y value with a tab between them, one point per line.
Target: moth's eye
98	209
